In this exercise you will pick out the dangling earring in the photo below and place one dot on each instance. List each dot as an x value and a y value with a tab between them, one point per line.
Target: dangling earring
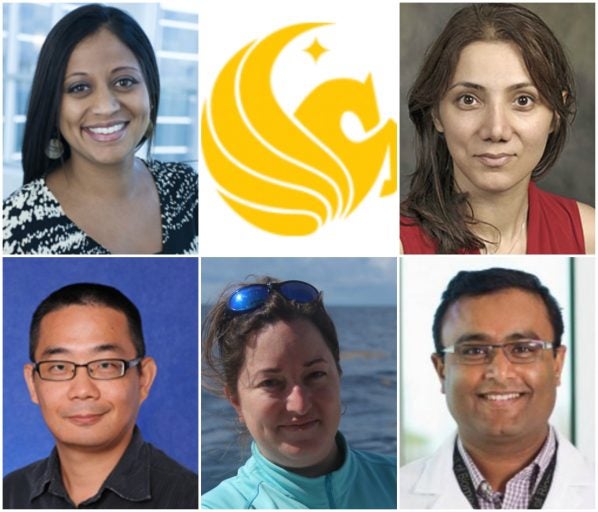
54	149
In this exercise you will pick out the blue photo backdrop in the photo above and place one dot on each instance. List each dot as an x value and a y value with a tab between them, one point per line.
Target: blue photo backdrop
165	292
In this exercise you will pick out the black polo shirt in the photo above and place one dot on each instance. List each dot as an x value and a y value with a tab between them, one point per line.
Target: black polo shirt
145	477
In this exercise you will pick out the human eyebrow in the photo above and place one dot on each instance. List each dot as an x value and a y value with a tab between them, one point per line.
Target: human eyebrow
126	68
53	351
315	361
485	338
521	85
104	347
107	347
467	85
75	74
473	336
523	335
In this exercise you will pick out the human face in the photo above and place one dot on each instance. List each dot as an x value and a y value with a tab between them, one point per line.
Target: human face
83	413
105	106
494	120
288	396
499	402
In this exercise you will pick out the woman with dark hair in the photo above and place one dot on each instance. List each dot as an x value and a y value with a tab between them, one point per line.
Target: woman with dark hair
491	107
93	104
272	349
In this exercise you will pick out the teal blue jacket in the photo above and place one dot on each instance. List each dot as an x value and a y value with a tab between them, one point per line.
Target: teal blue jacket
365	480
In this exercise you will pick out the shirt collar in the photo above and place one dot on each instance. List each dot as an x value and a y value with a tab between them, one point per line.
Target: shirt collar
130	479
541	462
303	487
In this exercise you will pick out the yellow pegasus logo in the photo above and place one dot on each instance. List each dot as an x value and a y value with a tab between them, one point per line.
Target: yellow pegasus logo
291	174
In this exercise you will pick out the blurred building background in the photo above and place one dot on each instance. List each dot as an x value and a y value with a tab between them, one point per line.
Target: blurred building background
425	422
171	26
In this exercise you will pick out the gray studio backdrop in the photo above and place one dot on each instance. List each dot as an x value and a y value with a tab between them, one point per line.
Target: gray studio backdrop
573	25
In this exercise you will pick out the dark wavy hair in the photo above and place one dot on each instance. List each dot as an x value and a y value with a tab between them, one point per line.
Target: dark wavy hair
492	280
46	90
434	202
88	294
225	335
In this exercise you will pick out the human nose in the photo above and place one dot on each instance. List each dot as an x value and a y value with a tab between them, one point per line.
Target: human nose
82	386
498	367
298	400
496	125
105	102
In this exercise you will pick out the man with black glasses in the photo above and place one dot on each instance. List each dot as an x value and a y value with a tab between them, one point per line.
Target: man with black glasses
497	336
89	374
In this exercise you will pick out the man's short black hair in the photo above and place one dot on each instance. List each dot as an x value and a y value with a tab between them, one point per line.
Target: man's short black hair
88	294
483	282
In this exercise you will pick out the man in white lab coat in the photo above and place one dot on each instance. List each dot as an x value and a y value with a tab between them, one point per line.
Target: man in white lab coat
499	358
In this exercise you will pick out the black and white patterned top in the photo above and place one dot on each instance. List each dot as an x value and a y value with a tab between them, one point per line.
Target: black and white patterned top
34	222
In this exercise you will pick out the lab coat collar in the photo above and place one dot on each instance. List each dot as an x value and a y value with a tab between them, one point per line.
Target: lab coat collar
573	479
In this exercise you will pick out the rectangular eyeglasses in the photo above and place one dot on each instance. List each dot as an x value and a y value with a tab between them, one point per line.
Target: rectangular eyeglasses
523	351
100	369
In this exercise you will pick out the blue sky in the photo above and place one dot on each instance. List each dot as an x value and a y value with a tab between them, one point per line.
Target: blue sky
344	281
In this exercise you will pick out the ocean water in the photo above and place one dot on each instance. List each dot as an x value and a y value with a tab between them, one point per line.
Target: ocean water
368	339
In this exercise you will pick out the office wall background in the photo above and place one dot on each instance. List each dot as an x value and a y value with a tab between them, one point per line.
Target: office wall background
573	25
165	292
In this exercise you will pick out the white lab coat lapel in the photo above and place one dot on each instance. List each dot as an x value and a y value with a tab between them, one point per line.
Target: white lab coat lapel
437	480
435	486
573	482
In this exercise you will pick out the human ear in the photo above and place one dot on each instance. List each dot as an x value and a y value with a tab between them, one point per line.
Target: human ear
28	370
233	398
558	362
438	362
556	118
148	372
436	119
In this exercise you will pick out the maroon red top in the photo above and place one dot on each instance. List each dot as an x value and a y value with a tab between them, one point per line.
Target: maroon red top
553	227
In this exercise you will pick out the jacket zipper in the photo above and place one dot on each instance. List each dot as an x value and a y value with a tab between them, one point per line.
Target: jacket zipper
329	491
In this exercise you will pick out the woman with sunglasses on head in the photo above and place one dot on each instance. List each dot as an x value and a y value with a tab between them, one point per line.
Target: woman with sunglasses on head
491	106
93	104
272	349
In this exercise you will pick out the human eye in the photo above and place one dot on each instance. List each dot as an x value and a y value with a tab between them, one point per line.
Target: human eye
57	367
270	384
106	367
473	351
78	88
316	375
525	101
525	347
467	101
126	82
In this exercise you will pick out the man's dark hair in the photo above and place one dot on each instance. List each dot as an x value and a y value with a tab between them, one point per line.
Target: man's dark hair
492	280
88	294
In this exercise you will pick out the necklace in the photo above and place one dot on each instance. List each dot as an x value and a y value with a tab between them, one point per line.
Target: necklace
516	239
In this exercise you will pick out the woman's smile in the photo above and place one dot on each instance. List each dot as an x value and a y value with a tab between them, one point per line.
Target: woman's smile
109	133
105	107
288	394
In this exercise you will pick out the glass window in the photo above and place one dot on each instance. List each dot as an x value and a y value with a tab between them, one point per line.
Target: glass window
179	40
178	15
177	71
171	27
36	18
